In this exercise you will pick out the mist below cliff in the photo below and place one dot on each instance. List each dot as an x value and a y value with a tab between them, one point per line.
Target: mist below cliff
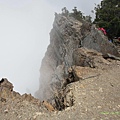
24	37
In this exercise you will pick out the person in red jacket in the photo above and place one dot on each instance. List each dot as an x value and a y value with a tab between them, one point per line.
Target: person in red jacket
103	30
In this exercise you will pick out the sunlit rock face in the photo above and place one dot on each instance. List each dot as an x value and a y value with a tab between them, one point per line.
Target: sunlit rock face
66	38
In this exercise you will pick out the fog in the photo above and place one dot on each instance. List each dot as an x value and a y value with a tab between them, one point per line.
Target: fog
24	37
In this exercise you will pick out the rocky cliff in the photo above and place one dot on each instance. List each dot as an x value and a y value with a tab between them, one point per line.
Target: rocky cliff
72	43
79	78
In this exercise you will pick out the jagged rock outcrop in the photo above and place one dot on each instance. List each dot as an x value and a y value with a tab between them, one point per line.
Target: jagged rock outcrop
72	43
7	93
14	106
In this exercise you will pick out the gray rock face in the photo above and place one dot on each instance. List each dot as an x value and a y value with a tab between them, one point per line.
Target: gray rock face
66	37
99	42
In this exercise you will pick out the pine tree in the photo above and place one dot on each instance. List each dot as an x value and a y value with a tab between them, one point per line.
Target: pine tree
77	14
65	12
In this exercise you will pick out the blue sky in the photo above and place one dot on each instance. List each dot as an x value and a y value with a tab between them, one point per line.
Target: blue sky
24	37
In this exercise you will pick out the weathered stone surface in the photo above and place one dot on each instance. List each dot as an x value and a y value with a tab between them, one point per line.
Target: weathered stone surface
96	40
48	106
7	93
12	102
66	39
6	88
88	58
